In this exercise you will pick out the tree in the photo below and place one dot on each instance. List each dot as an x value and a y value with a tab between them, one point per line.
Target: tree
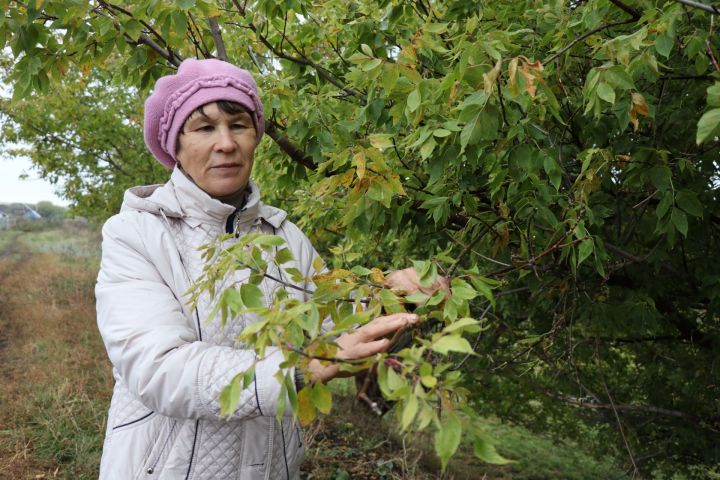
50	212
566	150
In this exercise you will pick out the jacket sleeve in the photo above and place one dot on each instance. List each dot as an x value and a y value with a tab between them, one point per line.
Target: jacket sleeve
151	338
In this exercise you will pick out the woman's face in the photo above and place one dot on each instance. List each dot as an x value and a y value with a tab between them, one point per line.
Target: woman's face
216	149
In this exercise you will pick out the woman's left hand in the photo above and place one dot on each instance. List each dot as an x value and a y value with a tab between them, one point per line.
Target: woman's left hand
364	342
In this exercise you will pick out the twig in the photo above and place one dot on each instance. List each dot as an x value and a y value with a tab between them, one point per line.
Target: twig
617	416
583	37
701	6
469	247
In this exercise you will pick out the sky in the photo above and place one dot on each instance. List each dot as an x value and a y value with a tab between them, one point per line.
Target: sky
31	190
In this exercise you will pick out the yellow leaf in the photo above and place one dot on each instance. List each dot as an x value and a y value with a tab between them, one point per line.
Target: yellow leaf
318	264
377	276
306	409
512	72
639	107
490	77
360	164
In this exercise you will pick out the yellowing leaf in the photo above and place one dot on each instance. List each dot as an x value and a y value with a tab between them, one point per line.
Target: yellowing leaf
306	409
377	276
318	264
638	107
321	397
360	164
490	77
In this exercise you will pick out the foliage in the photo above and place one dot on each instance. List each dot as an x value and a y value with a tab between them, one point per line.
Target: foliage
422	378
567	150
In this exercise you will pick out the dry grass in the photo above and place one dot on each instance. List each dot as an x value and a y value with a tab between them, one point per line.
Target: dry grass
56	377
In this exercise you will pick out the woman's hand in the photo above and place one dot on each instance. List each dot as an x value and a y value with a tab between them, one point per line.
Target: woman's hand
364	342
407	281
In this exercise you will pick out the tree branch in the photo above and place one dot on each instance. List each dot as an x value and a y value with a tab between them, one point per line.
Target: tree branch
635	14
217	36
288	147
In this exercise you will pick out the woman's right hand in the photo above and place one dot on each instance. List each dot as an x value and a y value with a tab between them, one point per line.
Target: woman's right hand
364	342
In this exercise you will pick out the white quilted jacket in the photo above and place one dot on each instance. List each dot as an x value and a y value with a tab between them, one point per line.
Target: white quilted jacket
170	362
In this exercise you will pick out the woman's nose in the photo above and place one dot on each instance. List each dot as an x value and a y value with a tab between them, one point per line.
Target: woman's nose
224	141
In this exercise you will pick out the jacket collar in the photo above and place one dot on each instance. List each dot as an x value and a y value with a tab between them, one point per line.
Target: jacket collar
181	198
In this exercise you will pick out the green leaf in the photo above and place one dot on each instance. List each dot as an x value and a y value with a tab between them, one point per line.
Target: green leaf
417	297
664	204
186	4
251	296
413	100
606	92
664	44
447	438
452	343
471	132
321	397
283	256
371	65
485	451
585	249
689	202
713	95
661	177
462	290
230	396
410	409
381	141
679	219
461	324
707	125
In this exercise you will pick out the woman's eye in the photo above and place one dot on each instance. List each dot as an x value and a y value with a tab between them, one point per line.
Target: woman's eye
205	128
238	126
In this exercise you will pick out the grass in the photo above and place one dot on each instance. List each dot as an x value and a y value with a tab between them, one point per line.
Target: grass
56	378
57	384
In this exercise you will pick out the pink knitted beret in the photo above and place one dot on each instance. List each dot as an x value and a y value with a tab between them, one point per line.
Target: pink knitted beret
196	83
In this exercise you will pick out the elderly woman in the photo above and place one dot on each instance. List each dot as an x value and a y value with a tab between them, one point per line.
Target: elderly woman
169	362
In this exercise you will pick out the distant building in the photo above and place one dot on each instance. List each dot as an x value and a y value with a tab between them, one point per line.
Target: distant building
5	221
31	214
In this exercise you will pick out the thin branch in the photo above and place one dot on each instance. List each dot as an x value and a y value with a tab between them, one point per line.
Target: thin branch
701	6
469	247
583	37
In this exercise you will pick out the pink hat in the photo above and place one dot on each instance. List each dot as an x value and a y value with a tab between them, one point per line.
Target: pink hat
196	83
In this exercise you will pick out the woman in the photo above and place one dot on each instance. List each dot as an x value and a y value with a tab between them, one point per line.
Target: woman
170	362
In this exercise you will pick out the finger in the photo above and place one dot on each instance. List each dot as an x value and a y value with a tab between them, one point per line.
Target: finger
381	326
369	349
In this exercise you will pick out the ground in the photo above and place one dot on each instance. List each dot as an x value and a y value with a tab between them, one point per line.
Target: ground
57	383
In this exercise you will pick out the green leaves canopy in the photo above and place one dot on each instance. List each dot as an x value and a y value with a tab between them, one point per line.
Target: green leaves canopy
564	149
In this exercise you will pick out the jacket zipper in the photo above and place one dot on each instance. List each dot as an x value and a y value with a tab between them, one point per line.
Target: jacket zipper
151	469
192	452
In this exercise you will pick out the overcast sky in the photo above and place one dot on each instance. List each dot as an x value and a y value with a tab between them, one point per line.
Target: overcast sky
31	190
